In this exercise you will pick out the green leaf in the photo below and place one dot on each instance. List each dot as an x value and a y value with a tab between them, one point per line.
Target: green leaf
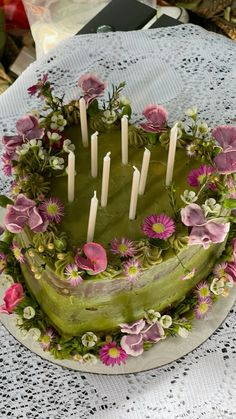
162	244
93	108
230	203
152	138
4	200
4	247
126	110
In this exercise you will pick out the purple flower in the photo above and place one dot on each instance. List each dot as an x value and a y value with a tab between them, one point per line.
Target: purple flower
156	118
111	354
3	262
18	253
47	338
73	274
132	344
11	142
7	164
28	126
132	328
96	260
202	291
24	211
153	332
225	135
52	209
202	308
158	226
203	232
123	247
37	87
198	176
132	269
91	86
225	162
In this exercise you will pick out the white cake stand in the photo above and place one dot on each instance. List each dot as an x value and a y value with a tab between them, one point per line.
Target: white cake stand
160	354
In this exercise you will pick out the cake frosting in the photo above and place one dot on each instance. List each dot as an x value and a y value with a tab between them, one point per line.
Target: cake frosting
139	280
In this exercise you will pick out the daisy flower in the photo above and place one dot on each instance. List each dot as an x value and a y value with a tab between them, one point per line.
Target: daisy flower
52	209
202	291
132	269
18	253
47	339
3	262
202	308
111	354
73	274
158	226
123	247
198	176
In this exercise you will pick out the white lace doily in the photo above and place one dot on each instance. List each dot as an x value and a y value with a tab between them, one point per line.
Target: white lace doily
177	67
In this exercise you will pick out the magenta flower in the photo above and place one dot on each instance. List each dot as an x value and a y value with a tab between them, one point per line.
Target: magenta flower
132	269
198	176
96	261
158	226
23	212
11	298
45	341
225	135
203	232
38	86
123	247
3	262
28	126
202	308
73	274
18	253
52	210
202	291
111	354
133	328
225	162
156	118
91	86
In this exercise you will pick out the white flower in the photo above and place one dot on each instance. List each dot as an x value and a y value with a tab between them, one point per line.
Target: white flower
89	339
124	101
90	359
58	122
109	117
53	136
35	143
217	286
29	312
191	149
19	321
192	112
189	197
166	321
183	332
152	316
35	333
23	334
211	206
202	129
41	153
68	146
57	163
78	358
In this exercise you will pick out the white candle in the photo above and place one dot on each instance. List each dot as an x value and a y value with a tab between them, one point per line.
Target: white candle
105	179
94	154
124	139
83	122
134	194
171	154
92	217
71	176
144	171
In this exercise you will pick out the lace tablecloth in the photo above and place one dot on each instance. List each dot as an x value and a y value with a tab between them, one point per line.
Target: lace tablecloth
176	67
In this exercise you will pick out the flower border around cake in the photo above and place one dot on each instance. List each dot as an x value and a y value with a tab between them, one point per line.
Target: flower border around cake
38	151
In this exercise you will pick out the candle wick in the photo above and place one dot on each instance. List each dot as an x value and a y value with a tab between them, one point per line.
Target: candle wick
108	154
135	168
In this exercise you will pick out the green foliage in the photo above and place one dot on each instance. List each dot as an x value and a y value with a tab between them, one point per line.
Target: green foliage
4	201
230	203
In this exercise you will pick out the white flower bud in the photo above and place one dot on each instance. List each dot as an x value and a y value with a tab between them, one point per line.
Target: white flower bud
28	312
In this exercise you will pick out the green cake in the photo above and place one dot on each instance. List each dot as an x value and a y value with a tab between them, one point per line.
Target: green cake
138	280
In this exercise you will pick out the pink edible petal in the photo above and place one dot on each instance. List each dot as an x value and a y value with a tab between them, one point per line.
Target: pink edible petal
193	215
153	333
225	135
132	344
226	162
132	328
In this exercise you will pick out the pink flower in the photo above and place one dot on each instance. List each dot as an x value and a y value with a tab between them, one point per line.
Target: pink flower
198	176
73	274
91	86
96	261
231	270
225	135
37	87
47	338
156	118
111	354
28	126
132	344
153	333
158	226
7	164
11	142
133	328
234	249
52	209
11	298
132	269
24	211
203	232
226	162
202	291
202	308
123	247
3	262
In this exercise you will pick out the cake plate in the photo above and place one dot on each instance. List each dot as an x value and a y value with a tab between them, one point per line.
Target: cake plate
160	354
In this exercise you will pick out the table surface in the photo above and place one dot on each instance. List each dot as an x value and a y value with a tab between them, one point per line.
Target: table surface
176	67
